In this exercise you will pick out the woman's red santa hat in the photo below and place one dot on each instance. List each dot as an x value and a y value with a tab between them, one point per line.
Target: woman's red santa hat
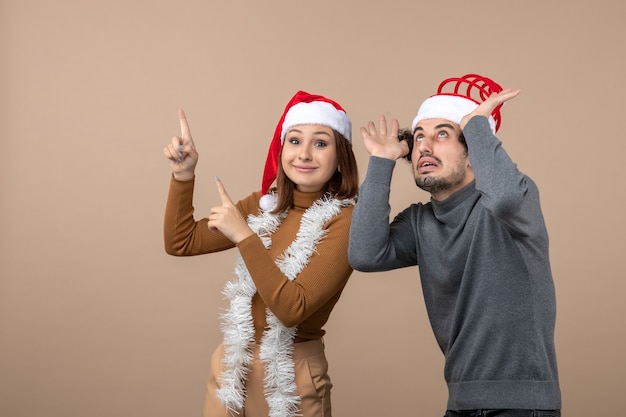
304	108
457	97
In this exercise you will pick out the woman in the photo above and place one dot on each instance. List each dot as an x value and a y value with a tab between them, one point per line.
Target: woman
292	264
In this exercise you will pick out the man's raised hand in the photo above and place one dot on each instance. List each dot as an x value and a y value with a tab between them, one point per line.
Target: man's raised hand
487	107
382	144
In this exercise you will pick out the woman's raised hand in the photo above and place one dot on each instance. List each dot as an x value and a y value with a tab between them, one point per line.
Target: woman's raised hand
227	218
181	152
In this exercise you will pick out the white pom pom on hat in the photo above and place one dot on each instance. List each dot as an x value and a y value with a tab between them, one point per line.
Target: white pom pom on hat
304	108
467	92
268	202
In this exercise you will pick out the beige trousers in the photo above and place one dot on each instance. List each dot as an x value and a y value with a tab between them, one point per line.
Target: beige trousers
312	381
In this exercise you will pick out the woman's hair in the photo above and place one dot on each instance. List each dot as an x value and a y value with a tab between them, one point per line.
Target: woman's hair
406	135
343	184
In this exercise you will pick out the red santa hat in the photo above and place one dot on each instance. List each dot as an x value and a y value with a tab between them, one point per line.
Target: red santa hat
304	108
457	97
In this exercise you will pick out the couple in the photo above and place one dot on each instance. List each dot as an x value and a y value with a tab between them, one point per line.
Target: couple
481	246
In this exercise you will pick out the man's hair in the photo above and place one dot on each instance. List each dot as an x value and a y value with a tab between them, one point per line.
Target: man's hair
343	184
406	135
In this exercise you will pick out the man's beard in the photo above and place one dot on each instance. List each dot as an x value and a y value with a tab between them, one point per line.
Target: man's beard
435	185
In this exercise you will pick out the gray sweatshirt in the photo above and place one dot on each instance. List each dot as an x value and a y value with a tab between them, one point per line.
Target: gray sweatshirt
484	266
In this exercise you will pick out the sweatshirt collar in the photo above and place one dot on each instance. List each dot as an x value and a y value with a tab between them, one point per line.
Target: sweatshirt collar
455	200
304	200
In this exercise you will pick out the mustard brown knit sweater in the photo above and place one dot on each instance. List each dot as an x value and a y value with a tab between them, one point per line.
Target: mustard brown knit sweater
307	301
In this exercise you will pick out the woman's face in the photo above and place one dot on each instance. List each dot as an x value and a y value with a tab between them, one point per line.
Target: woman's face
309	156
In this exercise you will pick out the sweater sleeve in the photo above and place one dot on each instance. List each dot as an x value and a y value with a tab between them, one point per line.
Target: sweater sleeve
375	244
182	234
511	196
322	278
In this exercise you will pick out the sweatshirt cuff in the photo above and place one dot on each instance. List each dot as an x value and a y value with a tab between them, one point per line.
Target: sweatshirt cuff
380	170
191	181
477	126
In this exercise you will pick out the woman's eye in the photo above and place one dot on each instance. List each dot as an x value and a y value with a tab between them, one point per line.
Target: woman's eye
320	144
293	141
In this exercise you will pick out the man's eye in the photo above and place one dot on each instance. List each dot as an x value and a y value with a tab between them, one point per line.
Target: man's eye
419	138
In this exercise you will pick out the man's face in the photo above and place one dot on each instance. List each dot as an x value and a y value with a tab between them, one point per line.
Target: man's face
440	161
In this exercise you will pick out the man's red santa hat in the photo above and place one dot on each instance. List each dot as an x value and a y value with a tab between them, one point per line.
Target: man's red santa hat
304	108
457	97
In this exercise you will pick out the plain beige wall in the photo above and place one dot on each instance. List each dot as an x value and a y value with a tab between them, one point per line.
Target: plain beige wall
97	321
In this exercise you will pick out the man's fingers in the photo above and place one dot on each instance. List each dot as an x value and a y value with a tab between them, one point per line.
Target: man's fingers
487	107
382	125
395	127
509	93
504	96
223	194
495	100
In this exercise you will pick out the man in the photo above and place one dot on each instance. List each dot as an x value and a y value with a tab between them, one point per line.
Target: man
481	246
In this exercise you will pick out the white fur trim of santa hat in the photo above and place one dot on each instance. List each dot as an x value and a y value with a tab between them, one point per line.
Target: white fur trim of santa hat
317	113
449	107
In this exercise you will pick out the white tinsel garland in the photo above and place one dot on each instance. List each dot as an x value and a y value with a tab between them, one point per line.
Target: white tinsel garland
276	350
